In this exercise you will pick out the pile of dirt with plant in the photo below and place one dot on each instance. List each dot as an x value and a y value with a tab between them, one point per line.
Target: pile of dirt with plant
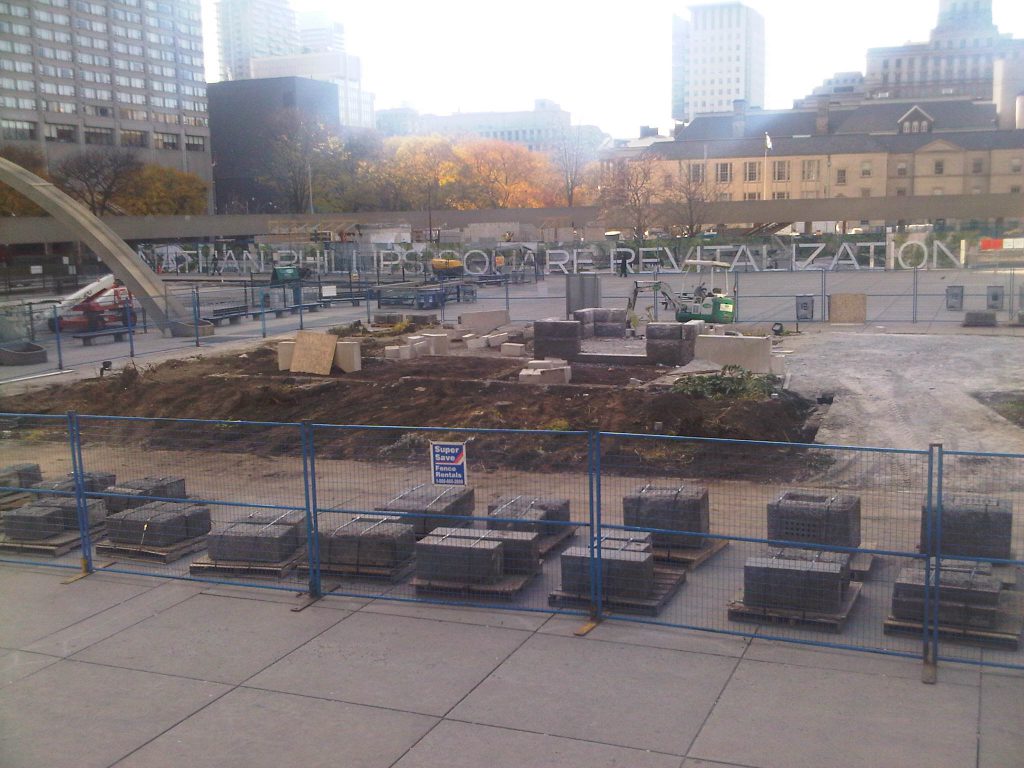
449	392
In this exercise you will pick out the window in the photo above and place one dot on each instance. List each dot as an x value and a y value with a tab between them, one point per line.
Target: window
64	134
840	176
780	171
810	170
18	130
723	173
751	171
751	195
195	143
64	107
940	167
977	165
99	136
901	169
865	169
133	114
1015	165
133	138
724	197
165	140
780	195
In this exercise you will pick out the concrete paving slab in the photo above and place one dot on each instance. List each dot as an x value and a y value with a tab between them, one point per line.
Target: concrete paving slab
249	728
15	665
87	715
102	625
398	662
627	695
650	635
854	661
528	621
212	638
23	593
466	745
1001	729
800	716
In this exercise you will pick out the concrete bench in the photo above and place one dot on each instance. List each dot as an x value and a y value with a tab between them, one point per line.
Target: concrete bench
88	337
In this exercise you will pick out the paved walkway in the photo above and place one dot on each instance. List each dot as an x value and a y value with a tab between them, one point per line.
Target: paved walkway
133	671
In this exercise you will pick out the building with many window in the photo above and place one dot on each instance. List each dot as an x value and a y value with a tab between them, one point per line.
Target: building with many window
251	29
86	73
718	56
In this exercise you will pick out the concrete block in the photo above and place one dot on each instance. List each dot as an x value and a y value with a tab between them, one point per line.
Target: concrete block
981	319
778	365
632	541
966	599
588	315
542	364
387	318
33	522
663	331
679	508
520	550
495	340
348	356
565	349
484	321
624	573
668	351
439	343
354	541
972	526
422	319
421	348
557	329
529	376
529	513
752	353
562	375
615	316
432	506
413	340
692	329
253	542
466	561
285	350
478	342
795	585
93	482
513	350
397	353
25	475
95	510
816	518
610	330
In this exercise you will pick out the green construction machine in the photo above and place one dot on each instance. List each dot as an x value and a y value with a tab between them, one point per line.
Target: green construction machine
710	304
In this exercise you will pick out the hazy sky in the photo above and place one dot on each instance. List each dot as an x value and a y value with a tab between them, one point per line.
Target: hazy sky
609	64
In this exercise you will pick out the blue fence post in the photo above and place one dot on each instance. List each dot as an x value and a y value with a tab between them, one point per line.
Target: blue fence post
75	443
130	317
928	674
913	315
824	296
264	300
735	298
594	488
508	303
56	330
937	537
195	313
312	527
300	302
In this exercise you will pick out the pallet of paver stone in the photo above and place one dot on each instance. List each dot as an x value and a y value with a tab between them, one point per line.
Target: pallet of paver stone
54	546
161	524
204	566
504	588
428	506
1005	634
830	622
668	578
691	557
529	513
150	553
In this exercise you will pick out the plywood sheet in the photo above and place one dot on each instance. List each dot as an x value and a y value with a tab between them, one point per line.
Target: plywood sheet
314	352
848	308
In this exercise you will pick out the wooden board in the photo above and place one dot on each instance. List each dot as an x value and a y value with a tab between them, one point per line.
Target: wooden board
667	581
314	352
150	553
505	589
372	572
831	622
204	566
1005	634
54	546
691	557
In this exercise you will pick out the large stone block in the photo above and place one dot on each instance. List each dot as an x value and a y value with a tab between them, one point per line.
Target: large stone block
465	561
529	513
815	518
25	475
752	353
563	348
520	552
557	329
624	573
668	351
62	486
93	482
354	541
253	542
348	356
95	510
664	331
158	525
794	585
679	508
633	541
33	522
980	319
430	506
972	526
610	330
124	498
966	598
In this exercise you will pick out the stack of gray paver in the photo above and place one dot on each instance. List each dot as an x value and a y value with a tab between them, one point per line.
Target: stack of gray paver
354	541
671	343
815	518
798	580
95	509
677	508
529	513
23	475
93	482
520	549
452	559
269	537
968	596
430	506
627	567
971	526
127	494
158	524
562	339
601	323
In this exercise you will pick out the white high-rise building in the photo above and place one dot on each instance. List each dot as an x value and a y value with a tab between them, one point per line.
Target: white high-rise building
250	29
717	57
322	37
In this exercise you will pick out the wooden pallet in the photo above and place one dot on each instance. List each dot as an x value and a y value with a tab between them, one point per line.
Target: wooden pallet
374	572
505	589
54	546
204	566
1006	634
691	557
150	553
830	622
667	581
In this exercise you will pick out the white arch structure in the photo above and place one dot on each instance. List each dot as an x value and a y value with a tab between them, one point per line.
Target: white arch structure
143	282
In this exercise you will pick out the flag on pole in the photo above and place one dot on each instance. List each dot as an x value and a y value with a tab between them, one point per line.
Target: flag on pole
767	141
